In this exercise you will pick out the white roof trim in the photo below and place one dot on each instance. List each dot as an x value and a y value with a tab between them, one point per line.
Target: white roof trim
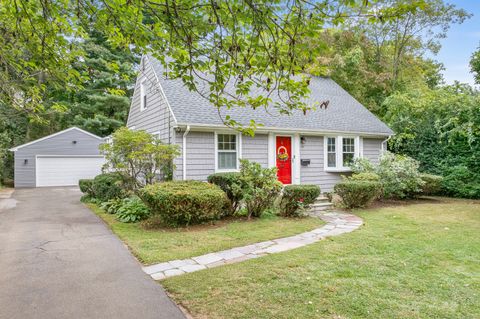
160	87
16	148
265	129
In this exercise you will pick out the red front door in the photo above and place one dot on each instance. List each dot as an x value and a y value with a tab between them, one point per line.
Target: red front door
284	159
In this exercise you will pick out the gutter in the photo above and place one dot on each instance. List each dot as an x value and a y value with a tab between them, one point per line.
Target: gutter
184	146
264	129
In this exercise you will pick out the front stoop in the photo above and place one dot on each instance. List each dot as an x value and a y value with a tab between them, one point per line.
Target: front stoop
321	204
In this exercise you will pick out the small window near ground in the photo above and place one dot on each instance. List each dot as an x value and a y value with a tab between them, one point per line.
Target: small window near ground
348	151
331	152
227	151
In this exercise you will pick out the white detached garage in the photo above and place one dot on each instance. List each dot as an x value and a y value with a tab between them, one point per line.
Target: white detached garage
60	159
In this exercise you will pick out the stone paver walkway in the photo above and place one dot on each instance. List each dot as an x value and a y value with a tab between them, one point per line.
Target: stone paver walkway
337	223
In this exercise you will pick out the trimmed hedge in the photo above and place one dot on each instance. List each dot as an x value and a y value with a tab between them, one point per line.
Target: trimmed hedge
365	176
433	184
357	193
107	186
228	182
86	186
184	202
295	198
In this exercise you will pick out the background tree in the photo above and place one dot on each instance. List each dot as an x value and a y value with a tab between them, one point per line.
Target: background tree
101	105
475	65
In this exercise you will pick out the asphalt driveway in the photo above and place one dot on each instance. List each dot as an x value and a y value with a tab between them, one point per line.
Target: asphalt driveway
58	260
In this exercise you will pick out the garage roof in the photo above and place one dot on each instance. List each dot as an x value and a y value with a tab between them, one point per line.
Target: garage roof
16	148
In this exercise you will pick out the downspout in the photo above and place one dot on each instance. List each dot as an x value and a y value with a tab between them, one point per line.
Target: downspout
385	143
184	144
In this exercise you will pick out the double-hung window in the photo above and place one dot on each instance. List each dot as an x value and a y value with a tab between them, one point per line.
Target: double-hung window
348	151
331	152
227	152
340	152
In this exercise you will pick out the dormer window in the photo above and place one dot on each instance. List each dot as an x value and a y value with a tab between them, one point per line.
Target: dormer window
143	95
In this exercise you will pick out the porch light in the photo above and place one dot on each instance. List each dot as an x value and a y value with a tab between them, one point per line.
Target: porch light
303	140
25	161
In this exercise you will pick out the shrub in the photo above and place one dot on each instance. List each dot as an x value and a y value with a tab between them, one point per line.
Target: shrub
108	186
228	182
258	186
357	193
184	202
460	181
86	186
132	210
362	165
296	198
433	184
139	157
111	206
398	175
366	176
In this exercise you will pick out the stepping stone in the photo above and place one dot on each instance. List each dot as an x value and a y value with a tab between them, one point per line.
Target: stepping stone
192	268
158	276
180	263
230	254
157	268
207	259
173	272
246	249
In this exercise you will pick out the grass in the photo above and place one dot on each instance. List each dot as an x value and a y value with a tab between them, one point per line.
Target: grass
154	246
420	260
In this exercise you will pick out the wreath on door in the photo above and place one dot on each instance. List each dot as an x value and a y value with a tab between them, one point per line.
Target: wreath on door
282	153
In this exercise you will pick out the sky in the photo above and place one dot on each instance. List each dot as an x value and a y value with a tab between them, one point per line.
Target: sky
462	40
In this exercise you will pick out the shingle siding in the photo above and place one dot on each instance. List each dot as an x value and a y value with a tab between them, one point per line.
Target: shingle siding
315	173
256	148
156	118
61	144
372	149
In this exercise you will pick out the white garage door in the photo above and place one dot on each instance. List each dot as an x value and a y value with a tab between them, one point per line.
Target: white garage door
66	171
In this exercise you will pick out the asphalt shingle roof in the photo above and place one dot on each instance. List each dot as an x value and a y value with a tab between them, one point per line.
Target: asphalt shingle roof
344	113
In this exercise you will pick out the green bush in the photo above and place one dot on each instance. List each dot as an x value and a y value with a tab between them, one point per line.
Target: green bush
460	181
111	206
185	202
132	210
433	184
228	183
365	176
258	186
398	175
296	198
357	193
108	186
86	186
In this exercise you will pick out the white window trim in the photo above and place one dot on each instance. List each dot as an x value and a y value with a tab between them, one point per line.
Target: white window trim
239	151
358	144
142	93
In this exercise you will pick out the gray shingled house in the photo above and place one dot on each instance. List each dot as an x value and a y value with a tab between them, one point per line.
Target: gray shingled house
314	148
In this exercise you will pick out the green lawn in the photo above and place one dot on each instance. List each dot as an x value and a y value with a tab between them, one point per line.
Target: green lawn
153	246
420	260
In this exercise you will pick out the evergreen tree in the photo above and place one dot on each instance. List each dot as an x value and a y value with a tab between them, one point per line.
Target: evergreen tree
102	105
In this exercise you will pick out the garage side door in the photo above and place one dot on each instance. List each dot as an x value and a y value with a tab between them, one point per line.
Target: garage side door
66	171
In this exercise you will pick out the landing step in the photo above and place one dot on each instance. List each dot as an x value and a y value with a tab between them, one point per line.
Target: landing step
317	204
